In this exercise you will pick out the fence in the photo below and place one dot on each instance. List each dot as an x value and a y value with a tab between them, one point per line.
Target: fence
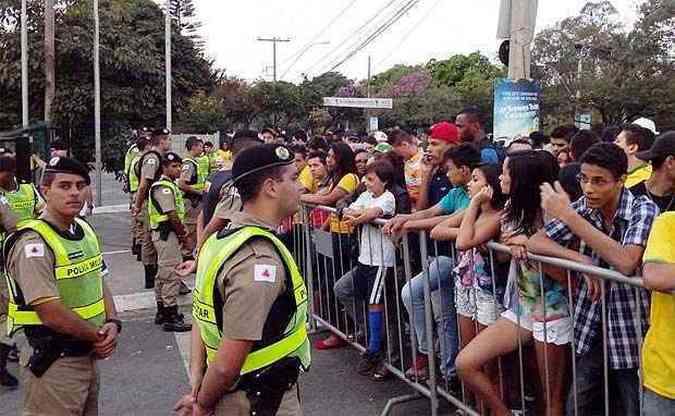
419	280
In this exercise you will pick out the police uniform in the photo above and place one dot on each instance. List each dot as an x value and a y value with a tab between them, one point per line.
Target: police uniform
166	197
194	173
248	287
46	263
8	221
132	172
149	169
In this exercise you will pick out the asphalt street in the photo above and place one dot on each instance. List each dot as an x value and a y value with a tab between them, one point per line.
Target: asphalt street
148	372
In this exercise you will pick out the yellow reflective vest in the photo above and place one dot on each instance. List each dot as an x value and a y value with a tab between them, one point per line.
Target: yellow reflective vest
292	343
77	270
154	212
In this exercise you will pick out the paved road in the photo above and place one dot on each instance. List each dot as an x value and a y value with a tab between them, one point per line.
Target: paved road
148	373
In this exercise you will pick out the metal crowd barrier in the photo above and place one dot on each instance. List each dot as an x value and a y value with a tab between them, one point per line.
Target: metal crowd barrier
324	257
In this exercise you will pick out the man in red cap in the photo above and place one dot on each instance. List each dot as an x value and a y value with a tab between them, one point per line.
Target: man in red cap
434	183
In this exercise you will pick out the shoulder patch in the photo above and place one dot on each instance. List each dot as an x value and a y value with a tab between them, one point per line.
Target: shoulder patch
186	166
151	161
34	250
166	191
264	273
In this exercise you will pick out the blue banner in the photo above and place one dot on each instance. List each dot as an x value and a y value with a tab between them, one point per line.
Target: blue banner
516	108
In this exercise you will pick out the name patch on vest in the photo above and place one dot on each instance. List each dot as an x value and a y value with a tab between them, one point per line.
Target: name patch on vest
75	270
203	312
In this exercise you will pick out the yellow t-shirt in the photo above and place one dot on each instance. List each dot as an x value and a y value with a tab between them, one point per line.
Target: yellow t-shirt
348	183
224	155
638	175
307	180
658	350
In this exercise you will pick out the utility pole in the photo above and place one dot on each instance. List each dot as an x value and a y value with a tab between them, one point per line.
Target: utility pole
50	69
517	20
97	108
24	64
274	41
366	111
167	59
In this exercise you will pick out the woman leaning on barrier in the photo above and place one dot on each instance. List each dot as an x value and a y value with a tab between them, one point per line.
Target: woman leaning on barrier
527	311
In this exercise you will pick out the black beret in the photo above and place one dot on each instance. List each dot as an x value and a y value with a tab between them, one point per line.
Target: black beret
67	165
259	157
170	157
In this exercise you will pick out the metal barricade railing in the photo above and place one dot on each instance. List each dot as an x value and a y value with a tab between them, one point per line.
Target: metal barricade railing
325	258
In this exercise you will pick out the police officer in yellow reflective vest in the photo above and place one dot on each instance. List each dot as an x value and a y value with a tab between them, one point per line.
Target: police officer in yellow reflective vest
59	297
132	172
250	301
24	203
192	182
166	211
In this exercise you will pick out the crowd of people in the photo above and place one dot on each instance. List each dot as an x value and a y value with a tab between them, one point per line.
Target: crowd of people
573	194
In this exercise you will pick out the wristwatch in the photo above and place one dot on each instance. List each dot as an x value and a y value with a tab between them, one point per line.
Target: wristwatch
117	323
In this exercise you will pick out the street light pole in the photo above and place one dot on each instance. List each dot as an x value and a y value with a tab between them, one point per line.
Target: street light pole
24	64
167	59
97	107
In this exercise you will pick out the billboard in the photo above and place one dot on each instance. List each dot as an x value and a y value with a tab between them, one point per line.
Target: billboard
516	107
351	102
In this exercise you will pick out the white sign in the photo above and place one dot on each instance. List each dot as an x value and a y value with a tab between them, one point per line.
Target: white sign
373	124
382	103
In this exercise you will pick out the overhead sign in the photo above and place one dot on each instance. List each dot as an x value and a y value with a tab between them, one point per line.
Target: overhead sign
516	107
381	103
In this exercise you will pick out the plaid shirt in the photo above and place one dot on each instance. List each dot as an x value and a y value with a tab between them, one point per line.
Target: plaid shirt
630	226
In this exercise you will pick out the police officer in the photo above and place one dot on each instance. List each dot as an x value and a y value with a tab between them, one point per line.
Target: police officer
192	182
24	203
59	297
250	301
166	210
148	169
134	180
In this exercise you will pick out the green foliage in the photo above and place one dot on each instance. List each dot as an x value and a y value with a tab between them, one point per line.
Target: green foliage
624	74
132	69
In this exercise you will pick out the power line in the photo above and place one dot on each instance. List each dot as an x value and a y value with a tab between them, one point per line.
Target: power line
378	32
353	33
410	32
319	34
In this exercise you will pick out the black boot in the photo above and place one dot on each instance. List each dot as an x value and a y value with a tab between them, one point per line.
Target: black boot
134	248
174	321
6	379
183	289
150	273
160	315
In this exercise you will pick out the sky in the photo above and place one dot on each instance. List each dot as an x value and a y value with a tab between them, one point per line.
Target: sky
432	29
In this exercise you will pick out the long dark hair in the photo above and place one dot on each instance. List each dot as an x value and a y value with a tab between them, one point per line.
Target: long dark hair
491	173
344	162
528	170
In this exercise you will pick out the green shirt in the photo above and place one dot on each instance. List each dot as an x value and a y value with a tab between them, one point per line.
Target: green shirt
455	200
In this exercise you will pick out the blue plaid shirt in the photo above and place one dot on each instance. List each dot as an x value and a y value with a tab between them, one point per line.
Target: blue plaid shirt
630	226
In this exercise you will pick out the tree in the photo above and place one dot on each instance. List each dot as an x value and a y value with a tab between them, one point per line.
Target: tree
183	12
132	69
624	74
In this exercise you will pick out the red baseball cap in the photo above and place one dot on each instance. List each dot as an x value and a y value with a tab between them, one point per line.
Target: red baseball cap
445	131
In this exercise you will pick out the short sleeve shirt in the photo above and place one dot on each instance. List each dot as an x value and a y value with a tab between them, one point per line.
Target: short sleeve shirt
164	197
31	265
307	180
439	187
249	283
637	175
454	201
376	249
151	164
347	183
630	226
188	171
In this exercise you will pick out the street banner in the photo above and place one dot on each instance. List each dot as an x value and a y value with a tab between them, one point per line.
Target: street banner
381	103
516	107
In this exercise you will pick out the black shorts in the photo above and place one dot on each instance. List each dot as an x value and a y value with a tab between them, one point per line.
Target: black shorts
369	283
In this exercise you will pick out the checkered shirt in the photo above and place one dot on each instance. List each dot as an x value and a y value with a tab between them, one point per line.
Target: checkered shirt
630	226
